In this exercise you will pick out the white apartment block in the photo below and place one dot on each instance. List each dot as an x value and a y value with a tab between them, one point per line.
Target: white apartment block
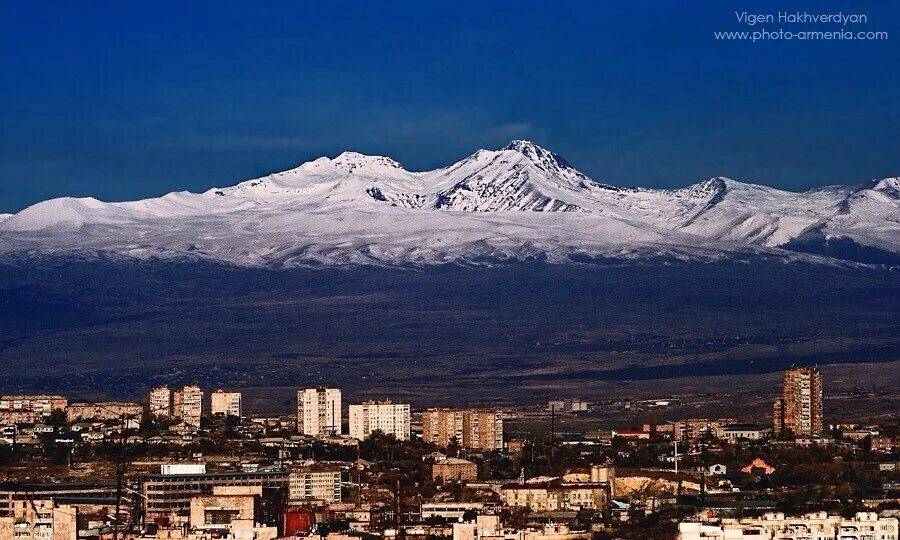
159	402
314	485
389	418
187	404
225	403
775	526
319	411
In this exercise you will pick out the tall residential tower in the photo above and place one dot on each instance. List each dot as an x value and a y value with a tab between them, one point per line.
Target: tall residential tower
471	428
319	411
384	416
799	408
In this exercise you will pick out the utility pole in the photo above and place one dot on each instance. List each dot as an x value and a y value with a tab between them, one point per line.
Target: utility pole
120	476
702	487
676	456
358	477
552	434
398	511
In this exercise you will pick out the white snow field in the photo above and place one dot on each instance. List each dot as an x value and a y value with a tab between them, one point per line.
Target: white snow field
520	202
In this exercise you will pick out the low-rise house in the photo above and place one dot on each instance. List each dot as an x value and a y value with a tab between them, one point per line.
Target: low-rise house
80	427
858	434
93	436
277	442
66	436
450	510
43	429
758	466
882	445
631	433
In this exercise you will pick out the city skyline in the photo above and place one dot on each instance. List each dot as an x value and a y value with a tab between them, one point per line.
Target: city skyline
459	271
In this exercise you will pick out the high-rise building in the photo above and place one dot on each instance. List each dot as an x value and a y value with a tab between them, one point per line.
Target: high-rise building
225	403
159	402
471	428
441	426
799	408
187	404
384	416
319	411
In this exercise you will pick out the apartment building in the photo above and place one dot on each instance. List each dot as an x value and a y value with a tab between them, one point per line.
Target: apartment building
14	494
229	512
40	404
19	417
187	404
739	432
556	495
319	411
692	429
225	403
567	405
40	519
312	485
813	526
453	469
470	428
384	416
798	410
166	494
159	402
450	510
106	410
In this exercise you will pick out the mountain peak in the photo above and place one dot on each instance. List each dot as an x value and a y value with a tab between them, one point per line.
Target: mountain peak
538	154
523	145
353	161
887	185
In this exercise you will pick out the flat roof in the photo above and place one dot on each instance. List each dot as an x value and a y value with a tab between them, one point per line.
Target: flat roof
218	474
50	486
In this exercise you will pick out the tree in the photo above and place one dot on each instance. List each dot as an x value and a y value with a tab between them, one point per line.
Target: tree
57	418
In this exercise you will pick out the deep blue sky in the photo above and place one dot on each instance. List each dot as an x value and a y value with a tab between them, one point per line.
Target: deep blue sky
125	99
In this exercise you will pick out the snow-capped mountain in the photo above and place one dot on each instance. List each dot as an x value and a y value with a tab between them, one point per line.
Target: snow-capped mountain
519	202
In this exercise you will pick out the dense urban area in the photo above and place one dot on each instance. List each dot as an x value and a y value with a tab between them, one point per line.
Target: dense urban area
187	464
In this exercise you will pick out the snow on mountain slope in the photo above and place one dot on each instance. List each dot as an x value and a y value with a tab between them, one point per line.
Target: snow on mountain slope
521	176
519	202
